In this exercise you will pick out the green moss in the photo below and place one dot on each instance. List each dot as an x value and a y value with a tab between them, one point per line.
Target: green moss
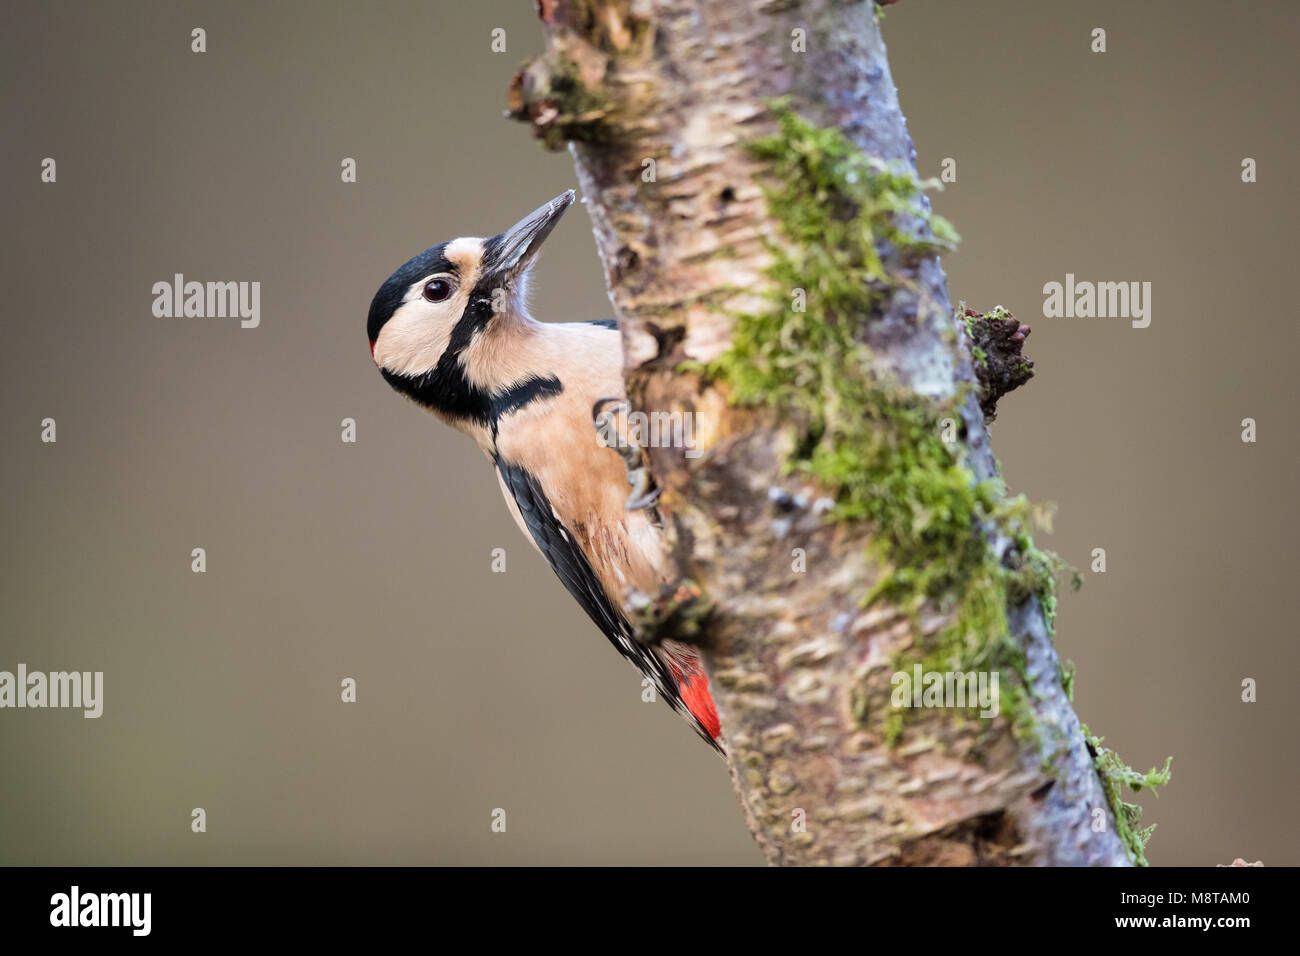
1001	313
1032	571
878	446
1067	680
1115	776
977	353
853	226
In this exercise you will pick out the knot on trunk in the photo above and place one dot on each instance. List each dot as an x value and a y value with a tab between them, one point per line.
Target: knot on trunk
997	338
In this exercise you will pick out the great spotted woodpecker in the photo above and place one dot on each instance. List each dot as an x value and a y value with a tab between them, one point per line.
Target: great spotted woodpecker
450	330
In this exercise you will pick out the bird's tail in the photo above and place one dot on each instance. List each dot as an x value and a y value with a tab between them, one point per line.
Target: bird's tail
693	686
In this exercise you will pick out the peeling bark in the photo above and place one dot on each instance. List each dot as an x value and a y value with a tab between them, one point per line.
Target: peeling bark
686	84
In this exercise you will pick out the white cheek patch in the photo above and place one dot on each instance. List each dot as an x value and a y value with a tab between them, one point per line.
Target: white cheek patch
412	341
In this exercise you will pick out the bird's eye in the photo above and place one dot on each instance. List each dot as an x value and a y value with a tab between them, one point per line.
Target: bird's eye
437	289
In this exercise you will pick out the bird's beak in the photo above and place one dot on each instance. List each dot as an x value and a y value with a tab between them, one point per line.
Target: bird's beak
518	245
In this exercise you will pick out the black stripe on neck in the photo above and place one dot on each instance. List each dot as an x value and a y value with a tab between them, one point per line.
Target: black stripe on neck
521	394
448	392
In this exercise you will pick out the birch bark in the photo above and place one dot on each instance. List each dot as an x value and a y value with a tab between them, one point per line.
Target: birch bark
679	88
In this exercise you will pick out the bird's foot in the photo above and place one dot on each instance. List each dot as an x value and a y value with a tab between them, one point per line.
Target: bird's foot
679	612
604	414
644	493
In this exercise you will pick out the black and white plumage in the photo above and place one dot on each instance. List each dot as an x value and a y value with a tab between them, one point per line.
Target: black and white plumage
450	330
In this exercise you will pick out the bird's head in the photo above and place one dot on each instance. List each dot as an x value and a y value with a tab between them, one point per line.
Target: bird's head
430	310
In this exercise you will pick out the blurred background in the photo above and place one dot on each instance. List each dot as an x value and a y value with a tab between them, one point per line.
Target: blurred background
372	560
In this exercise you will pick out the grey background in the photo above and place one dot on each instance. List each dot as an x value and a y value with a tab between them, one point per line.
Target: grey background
481	690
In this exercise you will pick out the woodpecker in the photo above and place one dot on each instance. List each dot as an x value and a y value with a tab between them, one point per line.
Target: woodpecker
451	331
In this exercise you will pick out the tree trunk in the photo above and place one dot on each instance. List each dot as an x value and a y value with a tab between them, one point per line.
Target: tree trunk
663	103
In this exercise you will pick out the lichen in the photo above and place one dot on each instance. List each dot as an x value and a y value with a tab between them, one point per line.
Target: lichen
1115	775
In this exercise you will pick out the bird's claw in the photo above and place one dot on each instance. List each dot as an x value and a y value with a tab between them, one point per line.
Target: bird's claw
644	493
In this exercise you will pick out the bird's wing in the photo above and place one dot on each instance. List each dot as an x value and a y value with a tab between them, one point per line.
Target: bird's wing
571	566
